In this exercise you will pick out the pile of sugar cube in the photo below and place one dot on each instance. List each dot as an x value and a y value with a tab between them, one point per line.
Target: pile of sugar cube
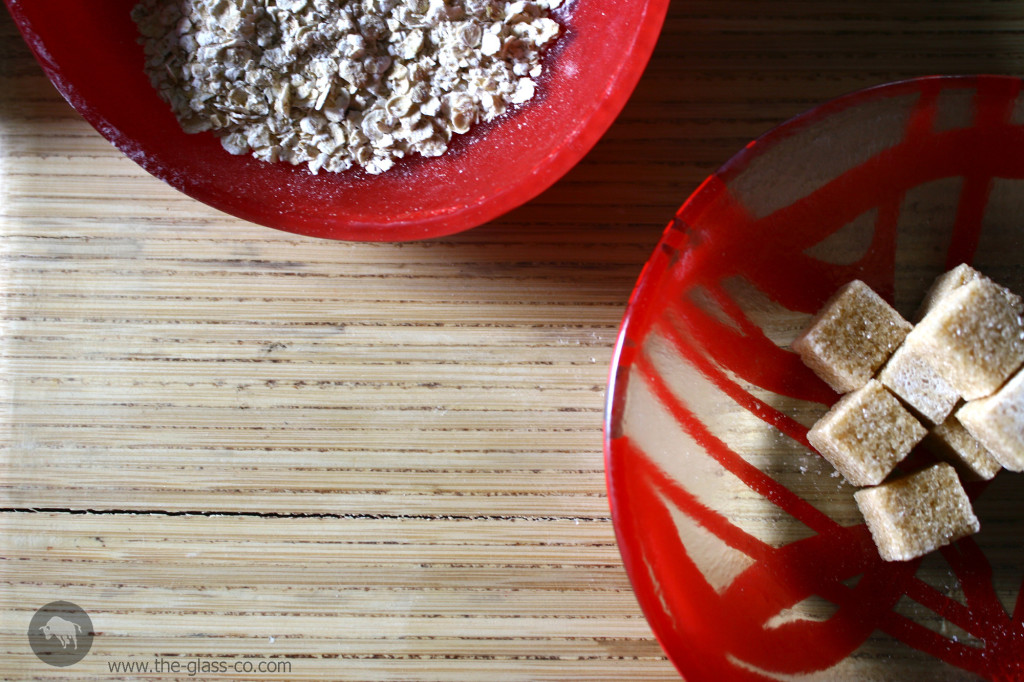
952	380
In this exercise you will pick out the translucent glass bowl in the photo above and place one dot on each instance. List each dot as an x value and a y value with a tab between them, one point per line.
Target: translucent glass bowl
745	548
89	50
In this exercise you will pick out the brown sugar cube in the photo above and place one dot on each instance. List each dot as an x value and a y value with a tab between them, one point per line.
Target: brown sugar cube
951	280
912	378
911	516
974	336
953	443
998	422
853	335
866	434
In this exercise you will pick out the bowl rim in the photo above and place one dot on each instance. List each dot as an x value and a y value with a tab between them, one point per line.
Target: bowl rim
659	263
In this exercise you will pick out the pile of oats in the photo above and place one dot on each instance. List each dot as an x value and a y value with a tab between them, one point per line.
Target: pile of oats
332	83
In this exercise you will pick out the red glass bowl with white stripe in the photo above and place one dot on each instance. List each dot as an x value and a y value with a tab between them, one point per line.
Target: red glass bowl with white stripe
745	549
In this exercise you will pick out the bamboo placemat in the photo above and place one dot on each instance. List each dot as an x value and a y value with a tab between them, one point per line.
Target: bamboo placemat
368	461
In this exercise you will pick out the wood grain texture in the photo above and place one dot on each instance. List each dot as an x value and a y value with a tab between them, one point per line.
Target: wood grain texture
373	461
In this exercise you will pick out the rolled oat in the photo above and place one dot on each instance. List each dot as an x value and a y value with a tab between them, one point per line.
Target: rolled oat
337	83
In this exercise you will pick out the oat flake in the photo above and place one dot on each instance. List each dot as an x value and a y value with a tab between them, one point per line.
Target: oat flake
337	83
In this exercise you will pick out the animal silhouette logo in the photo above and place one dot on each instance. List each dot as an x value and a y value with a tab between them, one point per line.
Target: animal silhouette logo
63	630
60	634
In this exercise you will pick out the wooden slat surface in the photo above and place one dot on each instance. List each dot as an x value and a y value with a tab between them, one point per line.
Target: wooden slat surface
372	461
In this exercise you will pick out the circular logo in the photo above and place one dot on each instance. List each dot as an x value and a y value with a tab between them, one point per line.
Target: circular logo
60	634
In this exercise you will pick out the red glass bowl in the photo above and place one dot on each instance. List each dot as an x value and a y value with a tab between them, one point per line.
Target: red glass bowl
89	50
745	548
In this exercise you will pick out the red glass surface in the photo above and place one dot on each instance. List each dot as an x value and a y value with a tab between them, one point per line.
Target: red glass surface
731	528
90	52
